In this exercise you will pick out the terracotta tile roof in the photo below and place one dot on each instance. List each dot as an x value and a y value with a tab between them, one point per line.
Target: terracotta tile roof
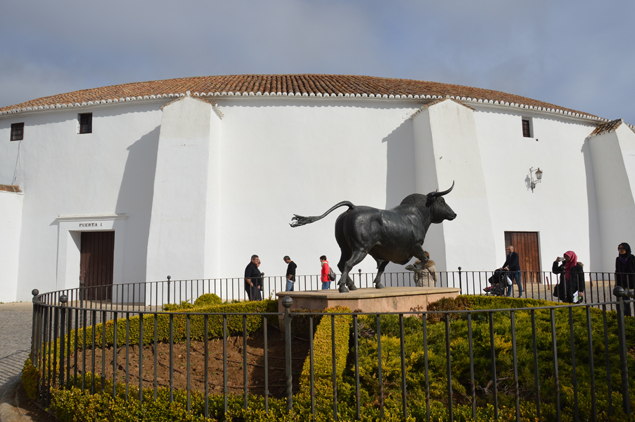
609	127
307	85
10	188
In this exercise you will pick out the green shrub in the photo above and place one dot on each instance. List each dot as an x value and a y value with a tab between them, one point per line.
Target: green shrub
30	378
460	361
102	406
323	356
179	321
171	307
208	299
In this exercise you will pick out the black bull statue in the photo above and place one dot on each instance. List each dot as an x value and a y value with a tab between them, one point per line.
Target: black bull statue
394	235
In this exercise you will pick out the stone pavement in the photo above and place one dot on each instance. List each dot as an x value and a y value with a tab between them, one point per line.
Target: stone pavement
15	338
15	344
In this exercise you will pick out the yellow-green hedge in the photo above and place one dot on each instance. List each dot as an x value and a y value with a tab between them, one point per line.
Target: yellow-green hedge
323	354
179	321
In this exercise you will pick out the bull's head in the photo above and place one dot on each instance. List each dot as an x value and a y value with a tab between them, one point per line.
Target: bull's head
439	210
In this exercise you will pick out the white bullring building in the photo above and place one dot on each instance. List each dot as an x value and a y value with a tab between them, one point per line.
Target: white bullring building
190	177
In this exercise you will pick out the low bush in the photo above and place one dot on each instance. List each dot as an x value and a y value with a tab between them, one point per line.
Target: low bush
482	363
207	299
75	405
179	321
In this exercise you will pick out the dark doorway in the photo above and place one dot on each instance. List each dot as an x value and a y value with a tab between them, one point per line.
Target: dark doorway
526	245
96	264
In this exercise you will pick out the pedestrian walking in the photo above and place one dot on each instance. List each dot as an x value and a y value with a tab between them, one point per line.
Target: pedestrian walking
291	267
324	273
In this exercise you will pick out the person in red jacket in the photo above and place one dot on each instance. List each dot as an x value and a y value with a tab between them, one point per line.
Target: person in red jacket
324	274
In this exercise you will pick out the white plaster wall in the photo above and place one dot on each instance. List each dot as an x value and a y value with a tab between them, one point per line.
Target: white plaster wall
179	226
561	207
456	157
613	156
232	190
63	173
282	157
10	227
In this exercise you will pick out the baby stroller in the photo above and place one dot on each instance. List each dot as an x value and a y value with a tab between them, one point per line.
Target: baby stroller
498	283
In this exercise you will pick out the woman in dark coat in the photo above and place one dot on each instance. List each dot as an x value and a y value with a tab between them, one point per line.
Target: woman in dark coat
571	277
625	270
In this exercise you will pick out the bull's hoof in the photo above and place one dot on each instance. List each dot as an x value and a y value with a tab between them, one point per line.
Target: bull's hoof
410	267
351	286
343	289
379	286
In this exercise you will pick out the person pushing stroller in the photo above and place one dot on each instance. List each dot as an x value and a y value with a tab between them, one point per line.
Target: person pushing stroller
498	282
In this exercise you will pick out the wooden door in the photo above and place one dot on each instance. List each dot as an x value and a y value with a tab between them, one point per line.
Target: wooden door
96	264
526	245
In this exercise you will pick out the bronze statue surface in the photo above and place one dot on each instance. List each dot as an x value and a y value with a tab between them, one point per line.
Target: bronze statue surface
394	235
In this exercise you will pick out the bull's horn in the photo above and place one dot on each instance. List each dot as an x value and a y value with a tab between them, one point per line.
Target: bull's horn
437	193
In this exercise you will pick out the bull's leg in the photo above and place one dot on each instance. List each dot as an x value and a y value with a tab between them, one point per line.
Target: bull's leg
419	253
346	267
350	283
381	266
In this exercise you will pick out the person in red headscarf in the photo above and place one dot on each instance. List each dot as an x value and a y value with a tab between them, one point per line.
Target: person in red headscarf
571	277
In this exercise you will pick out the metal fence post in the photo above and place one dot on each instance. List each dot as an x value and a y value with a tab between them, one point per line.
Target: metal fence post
63	300
460	282
620	292
287	302
169	290
34	325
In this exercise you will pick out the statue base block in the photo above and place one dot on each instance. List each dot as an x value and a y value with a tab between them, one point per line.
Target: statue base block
389	299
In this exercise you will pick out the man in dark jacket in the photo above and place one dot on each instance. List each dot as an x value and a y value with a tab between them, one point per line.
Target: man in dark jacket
512	264
291	267
253	278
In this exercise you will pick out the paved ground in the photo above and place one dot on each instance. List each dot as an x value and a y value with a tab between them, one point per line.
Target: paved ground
15	344
15	338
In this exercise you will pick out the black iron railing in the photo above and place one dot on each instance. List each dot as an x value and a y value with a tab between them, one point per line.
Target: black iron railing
154	295
90	345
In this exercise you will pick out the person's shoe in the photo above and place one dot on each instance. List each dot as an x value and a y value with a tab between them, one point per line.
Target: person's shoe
520	296
487	289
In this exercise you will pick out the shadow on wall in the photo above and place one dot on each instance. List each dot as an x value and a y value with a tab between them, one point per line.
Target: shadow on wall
136	194
595	245
400	164
400	169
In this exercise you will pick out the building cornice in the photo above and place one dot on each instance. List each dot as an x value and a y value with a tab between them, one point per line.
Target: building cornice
315	87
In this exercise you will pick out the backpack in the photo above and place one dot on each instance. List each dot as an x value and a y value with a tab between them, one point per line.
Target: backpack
331	274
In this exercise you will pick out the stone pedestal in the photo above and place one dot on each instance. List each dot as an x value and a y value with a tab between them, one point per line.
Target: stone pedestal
389	299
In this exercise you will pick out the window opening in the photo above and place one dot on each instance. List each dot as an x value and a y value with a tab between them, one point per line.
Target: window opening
17	131
527	128
86	123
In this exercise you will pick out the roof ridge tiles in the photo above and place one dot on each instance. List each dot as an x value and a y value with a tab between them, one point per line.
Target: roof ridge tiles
288	84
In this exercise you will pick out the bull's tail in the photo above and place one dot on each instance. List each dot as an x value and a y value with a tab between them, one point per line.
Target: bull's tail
299	220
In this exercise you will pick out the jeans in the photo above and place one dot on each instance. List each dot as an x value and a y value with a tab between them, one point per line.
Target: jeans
290	285
326	285
515	276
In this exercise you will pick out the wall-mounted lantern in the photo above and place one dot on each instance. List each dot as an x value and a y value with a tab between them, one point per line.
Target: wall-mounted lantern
533	182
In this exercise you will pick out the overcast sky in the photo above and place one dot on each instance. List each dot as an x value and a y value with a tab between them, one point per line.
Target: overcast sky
577	54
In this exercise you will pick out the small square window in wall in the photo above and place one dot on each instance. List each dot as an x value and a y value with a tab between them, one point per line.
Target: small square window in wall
527	129
17	131
86	123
